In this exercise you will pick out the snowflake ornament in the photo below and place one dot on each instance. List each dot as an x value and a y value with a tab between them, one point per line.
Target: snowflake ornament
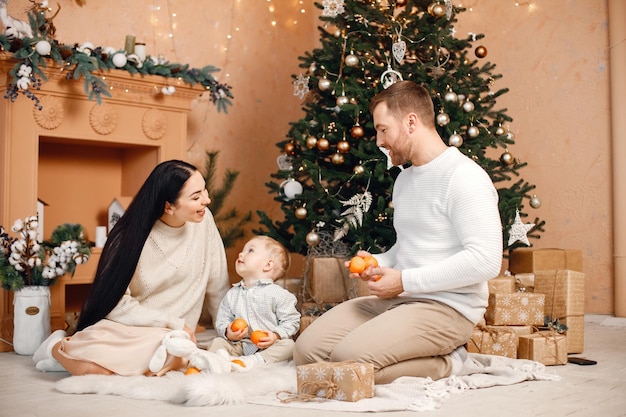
519	230
301	86
332	8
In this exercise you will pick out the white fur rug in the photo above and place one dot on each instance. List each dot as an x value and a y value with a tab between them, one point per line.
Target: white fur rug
278	380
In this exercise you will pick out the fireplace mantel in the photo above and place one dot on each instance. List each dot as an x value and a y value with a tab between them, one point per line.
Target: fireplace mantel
78	155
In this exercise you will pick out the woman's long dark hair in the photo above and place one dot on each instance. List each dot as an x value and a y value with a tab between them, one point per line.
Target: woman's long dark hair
125	241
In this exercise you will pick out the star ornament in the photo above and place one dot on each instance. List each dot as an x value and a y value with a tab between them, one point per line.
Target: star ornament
519	230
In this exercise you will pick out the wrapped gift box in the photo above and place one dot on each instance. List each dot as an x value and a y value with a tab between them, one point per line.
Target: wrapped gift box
565	300
525	282
490	340
328	281
519	308
345	381
305	321
517	331
531	260
549	348
501	285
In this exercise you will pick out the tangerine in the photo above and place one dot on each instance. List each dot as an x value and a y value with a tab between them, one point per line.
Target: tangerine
192	370
370	261
239	362
357	265
257	335
238	324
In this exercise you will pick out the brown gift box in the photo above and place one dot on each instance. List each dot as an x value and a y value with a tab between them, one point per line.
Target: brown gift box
329	281
549	348
517	330
502	285
531	260
345	381
490	340
305	321
565	301
520	308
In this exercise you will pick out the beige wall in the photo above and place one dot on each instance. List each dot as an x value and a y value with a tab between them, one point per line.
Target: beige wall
553	57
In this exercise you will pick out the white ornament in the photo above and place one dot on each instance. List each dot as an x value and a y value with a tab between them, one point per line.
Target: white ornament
519	230
43	48
443	119
119	60
323	84
351	60
390	77
450	97
301	86
333	7
399	49
290	189
468	106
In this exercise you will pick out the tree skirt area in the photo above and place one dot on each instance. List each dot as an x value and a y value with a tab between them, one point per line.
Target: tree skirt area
279	385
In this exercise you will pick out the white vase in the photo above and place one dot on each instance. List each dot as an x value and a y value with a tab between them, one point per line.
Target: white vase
31	318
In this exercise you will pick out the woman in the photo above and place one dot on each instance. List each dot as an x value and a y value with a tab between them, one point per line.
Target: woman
161	258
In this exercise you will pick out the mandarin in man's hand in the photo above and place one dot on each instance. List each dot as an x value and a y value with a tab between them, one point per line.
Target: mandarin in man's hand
238	324
257	335
370	261
357	265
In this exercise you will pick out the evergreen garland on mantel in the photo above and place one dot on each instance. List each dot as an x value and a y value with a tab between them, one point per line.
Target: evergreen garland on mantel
89	63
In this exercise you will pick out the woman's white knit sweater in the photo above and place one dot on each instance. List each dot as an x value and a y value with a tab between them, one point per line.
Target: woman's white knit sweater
449	233
177	267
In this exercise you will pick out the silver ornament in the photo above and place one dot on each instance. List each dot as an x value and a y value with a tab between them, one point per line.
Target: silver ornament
468	106
499	131
443	119
450	97
472	131
341	100
455	140
535	202
323	84
312	238
351	60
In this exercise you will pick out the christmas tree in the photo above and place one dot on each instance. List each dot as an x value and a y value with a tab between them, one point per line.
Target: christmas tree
333	181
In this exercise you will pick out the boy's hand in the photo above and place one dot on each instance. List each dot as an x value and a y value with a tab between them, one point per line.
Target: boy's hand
268	341
234	336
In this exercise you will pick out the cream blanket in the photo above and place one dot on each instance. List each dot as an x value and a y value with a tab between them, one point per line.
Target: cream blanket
278	380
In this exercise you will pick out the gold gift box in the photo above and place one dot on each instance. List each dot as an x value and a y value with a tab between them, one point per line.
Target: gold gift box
565	300
493	340
501	285
531	260
549	348
344	381
520	308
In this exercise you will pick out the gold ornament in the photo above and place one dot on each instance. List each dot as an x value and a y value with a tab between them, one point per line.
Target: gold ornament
472	131
480	51
351	60
290	148
312	238
400	3
341	100
358	169
323	84
455	140
535	202
337	158
343	146
301	213
311	141
507	158
436	10
323	144
500	131
357	131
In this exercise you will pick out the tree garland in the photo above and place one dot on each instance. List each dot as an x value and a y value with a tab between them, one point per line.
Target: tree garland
89	62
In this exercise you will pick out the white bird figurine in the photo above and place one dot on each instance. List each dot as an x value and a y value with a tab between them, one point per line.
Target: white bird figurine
13	27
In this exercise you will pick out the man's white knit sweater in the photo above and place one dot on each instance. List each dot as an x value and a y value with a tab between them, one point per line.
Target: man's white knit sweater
449	233
176	268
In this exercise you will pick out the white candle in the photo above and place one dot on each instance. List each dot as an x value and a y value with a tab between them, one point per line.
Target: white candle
101	236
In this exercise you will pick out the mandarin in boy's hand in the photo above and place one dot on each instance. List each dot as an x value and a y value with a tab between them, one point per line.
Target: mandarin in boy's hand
257	335
239	362
192	370
357	265
238	324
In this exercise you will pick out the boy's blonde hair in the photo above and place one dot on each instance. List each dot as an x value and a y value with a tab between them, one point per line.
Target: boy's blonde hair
279	254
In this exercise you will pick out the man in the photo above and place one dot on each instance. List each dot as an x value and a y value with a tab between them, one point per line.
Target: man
432	288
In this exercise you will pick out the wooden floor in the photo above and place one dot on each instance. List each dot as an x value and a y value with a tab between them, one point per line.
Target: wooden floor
597	390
